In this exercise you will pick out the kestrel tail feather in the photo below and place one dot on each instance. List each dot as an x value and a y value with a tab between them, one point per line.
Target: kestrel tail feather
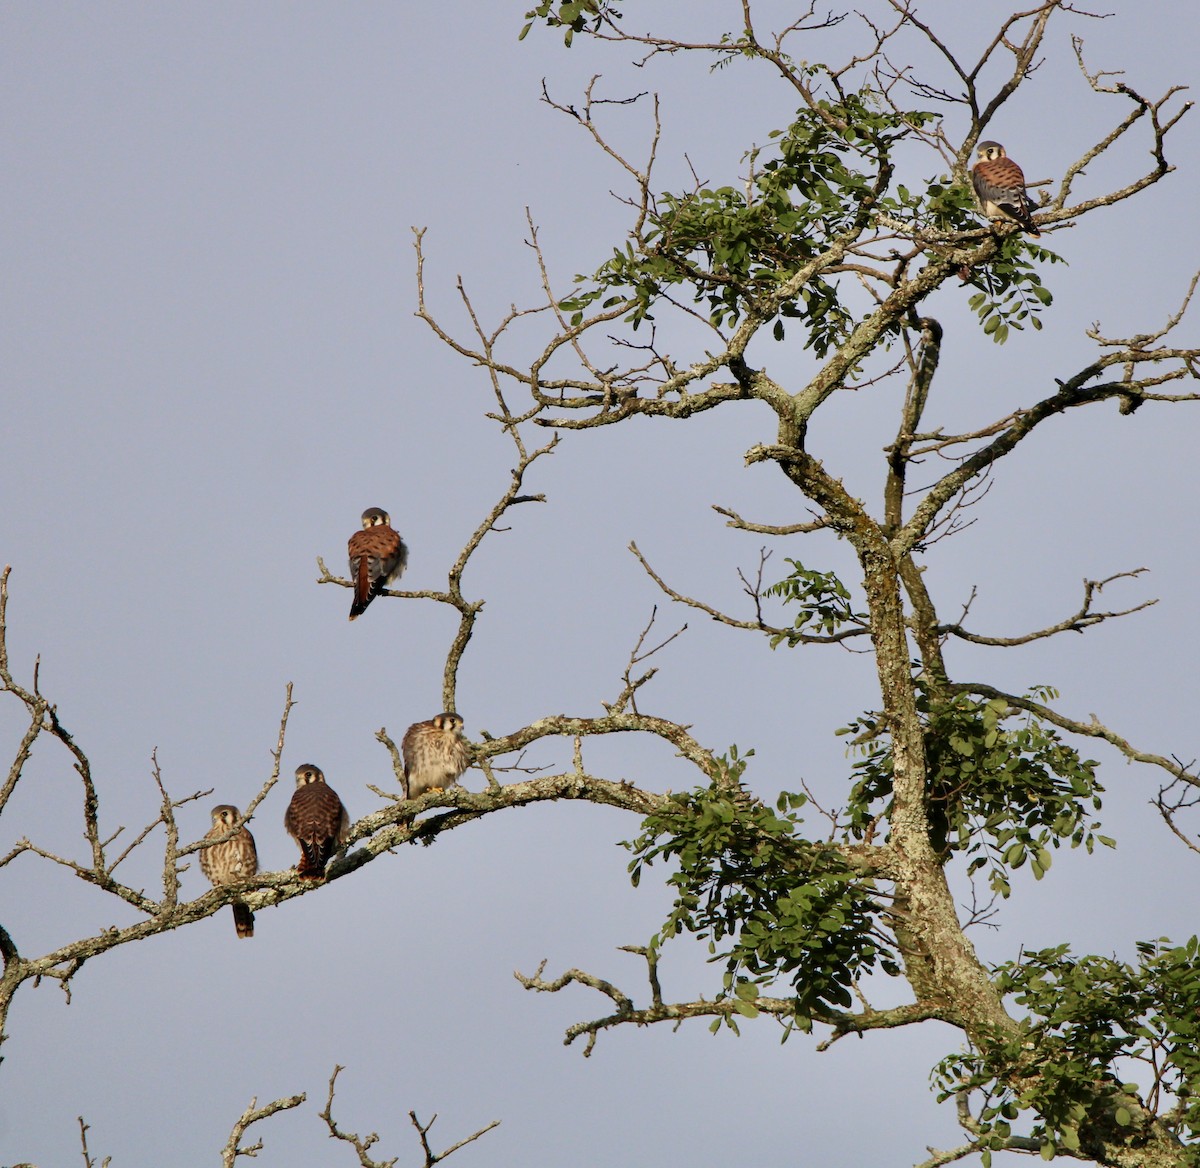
243	920
363	594
313	861
1020	212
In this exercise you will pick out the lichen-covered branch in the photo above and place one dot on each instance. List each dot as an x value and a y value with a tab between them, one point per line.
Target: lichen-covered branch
254	1114
725	1010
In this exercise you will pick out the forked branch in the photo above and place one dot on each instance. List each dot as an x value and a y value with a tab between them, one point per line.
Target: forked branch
725	1011
363	1144
254	1114
1076	623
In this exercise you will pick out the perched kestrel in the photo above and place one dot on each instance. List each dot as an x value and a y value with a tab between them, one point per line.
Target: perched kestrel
230	861
1000	185
316	820
434	755
377	557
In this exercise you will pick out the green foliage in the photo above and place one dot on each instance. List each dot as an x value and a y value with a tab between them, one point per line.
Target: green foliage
824	604
772	904
1085	1014
731	247
1012	291
572	16
950	206
1002	794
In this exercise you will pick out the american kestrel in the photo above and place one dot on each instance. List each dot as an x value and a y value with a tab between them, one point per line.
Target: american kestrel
434	755
1000	186
377	557
230	861
316	820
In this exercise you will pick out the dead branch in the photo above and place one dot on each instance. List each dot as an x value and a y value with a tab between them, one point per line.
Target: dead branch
253	1114
363	1144
1076	623
87	1159
628	695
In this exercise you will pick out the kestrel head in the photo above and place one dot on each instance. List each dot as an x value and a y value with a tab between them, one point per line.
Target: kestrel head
226	815
448	723
308	772
376	517
988	152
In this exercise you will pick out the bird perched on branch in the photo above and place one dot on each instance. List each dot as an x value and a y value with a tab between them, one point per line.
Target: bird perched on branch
435	754
230	861
1000	187
377	557
316	820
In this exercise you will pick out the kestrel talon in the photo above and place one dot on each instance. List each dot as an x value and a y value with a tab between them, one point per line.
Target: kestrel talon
1000	187
435	755
377	557
230	861
316	820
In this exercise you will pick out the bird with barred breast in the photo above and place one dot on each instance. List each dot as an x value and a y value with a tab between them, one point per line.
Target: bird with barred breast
230	859
435	754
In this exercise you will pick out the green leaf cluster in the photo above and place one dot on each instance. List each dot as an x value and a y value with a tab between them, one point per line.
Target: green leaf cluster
731	248
1086	1014
772	904
571	15
1012	291
824	604
1001	793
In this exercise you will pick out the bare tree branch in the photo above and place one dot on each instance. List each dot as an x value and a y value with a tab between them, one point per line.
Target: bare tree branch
363	1144
88	1161
253	1114
1075	623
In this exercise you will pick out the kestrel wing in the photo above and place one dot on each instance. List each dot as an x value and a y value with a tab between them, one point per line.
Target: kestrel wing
317	821
1000	183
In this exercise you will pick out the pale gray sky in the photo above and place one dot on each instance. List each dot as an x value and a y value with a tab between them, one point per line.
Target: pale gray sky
211	367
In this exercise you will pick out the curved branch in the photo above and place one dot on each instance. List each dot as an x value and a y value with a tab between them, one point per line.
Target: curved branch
1072	393
1091	729
736	521
1076	623
758	625
724	1010
253	1114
